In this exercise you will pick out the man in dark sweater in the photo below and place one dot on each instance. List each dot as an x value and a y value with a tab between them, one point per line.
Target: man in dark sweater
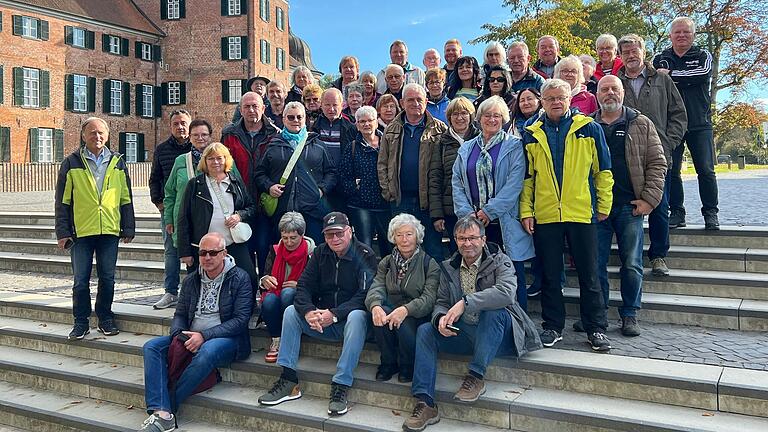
162	162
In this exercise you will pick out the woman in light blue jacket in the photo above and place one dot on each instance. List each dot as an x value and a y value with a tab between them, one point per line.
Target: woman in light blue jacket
487	180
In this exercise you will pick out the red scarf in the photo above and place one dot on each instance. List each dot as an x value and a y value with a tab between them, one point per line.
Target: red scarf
297	259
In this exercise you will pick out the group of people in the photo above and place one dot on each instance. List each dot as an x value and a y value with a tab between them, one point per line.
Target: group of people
458	175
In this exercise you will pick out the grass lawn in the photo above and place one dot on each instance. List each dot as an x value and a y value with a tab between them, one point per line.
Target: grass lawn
721	168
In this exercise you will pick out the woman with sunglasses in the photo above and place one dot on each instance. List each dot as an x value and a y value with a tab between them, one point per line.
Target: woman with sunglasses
498	82
215	201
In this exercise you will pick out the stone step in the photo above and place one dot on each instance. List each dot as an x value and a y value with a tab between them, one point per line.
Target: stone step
143	235
143	220
523	409
129	251
728	236
658	381
131	270
707	258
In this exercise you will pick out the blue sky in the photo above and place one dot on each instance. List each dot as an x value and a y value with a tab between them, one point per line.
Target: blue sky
338	28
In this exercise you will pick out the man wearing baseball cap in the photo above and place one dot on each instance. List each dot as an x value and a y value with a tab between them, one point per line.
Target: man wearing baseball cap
329	305
258	85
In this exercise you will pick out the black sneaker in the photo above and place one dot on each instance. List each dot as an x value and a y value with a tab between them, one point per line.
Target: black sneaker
629	326
338	404
711	223
599	341
283	390
677	219
578	327
78	332
108	327
386	372
533	290
550	337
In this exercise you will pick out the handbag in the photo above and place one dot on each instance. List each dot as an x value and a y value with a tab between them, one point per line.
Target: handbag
268	202
241	232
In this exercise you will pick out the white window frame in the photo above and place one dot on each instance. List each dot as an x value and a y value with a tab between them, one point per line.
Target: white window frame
45	145
78	37
174	93
235	90
174	9
30	27
114	44
264	10
80	93
233	7
115	97
31	87
146	51
235	47
131	147
280	19
280	61
147	105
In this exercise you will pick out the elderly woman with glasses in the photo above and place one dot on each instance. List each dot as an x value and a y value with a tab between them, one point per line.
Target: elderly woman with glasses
461	127
370	95
349	68
301	78
607	48
437	101
465	81
285	264
401	297
215	201
487	180
353	96
311	98
570	70
388	108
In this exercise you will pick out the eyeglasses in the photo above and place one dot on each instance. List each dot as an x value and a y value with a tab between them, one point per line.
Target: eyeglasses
460	114
431	83
569	72
292	117
500	79
555	98
311	99
330	235
495	116
467	239
211	253
200	136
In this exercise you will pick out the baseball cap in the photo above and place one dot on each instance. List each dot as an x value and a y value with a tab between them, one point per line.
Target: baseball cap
335	220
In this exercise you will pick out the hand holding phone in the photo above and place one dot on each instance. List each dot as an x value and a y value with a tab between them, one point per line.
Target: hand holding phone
453	328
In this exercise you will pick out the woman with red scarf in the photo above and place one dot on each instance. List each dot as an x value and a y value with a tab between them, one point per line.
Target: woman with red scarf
285	263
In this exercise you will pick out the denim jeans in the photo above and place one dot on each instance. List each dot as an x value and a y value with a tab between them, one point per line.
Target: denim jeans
433	240
351	331
629	236
273	307
397	346
368	222
491	337
171	255
702	147
658	225
214	353
105	248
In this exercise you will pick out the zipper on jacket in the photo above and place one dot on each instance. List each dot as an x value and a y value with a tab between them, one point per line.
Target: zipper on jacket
336	284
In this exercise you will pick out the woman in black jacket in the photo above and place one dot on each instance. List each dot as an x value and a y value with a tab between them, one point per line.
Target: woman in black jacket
214	201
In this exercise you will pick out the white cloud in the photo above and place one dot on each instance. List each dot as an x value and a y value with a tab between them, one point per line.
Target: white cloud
417	21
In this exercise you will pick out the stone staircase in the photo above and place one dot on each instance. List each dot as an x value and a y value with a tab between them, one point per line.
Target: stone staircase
50	384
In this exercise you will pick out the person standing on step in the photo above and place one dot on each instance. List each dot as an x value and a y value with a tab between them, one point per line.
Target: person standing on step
329	305
94	210
476	313
162	163
639	167
210	325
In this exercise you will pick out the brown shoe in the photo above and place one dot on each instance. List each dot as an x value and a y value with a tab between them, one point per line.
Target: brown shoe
423	416
470	389
274	348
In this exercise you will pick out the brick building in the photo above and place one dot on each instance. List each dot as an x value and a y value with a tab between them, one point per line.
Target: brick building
131	62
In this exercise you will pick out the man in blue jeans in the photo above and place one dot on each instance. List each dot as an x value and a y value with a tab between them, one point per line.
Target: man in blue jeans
639	168
211	320
476	313
330	305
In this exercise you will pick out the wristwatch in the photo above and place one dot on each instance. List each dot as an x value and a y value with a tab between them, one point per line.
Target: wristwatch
466	302
335	319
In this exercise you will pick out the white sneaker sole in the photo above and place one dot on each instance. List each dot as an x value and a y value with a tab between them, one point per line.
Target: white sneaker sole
281	400
550	345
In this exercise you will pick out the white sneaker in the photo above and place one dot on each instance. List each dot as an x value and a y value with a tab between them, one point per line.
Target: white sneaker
166	301
253	323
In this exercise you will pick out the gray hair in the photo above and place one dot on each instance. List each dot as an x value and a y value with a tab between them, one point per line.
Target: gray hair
588	59
557	43
366	110
606	38
573	61
432	50
217	236
305	70
368	74
402	220
393	66
685	20
90	120
295	105
292	221
493	102
519	44
467	222
353	87
633	40
493	45
555	84
415	87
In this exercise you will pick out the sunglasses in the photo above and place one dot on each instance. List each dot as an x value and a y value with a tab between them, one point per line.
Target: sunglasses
292	117
334	234
497	79
212	253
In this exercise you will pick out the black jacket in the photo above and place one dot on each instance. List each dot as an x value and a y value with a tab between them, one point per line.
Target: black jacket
235	307
337	284
313	171
691	73
162	161
441	171
197	209
358	176
247	150
294	95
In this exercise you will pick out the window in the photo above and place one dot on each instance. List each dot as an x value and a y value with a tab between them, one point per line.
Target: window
5	144
114	45
266	55
78	37
235	52
131	147
146	52
116	97
45	145
279	19
29	27
235	90
264	10
233	7
31	87
174	93
174	9
280	54
147	105
80	98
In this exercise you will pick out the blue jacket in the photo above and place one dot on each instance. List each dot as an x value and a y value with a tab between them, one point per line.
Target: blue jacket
358	176
505	206
438	109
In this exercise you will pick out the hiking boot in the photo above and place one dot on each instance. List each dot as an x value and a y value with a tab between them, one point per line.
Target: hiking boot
108	327
338	404
578	327
470	389
629	326
711	223
676	219
274	350
599	341
166	301
423	415
385	372
283	390
78	332
550	337
659	267
155	423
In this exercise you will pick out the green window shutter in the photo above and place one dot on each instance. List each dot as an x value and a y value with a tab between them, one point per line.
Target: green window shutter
17	25
224	8
91	94
68	35
225	91
1	84
157	99
34	145
18	86
140	147
124	47
58	145
243	7
244	47
43	26
157	53
105	42
139	99
243	86
163	9
126	98
182	8
90	39
183	92
164	93
137	49
45	89
225	48
269	53
5	144
106	99
69	92
122	146
268	11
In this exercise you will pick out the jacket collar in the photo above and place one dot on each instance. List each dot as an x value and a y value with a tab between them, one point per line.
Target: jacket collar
489	253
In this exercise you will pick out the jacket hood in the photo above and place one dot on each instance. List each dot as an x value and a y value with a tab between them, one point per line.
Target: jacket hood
229	264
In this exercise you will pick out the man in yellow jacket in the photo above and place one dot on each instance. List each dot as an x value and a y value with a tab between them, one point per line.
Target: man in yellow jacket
567	189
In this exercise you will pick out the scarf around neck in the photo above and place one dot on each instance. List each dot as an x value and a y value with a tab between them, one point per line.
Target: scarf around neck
293	139
485	183
456	135
401	264
296	259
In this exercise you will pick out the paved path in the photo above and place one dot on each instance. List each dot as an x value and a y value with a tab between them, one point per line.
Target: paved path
748	350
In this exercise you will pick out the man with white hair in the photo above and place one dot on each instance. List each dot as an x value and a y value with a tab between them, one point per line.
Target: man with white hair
431	59
398	54
548	50
519	59
690	67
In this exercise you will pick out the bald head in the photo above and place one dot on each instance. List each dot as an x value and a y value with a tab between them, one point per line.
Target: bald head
610	93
